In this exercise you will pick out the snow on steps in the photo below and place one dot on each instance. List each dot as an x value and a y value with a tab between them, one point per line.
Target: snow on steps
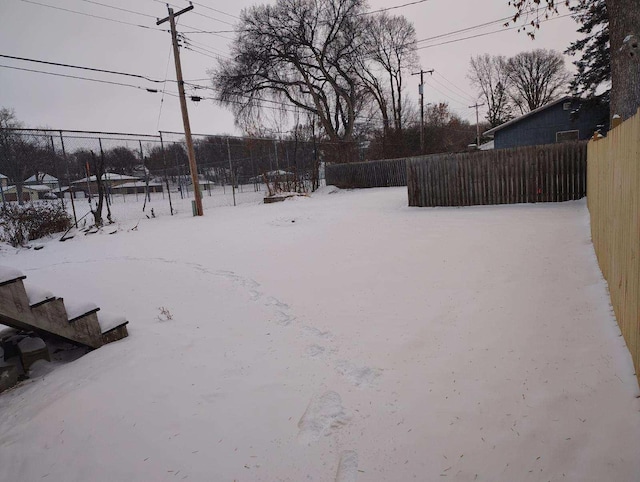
37	295
7	275
27	307
76	310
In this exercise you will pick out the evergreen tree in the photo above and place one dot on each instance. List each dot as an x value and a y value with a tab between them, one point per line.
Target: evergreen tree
594	65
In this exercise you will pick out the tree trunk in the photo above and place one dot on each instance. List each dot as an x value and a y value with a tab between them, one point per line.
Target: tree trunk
624	24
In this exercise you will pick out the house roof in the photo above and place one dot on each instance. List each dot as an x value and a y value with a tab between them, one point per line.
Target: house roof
29	187
136	184
566	98
2	176
109	176
45	178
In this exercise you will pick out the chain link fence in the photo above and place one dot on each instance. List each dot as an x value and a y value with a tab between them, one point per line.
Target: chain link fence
60	166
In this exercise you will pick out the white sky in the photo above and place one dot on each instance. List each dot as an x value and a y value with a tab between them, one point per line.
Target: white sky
38	32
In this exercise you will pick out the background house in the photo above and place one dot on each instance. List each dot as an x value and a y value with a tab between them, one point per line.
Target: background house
43	179
566	119
109	179
30	192
136	187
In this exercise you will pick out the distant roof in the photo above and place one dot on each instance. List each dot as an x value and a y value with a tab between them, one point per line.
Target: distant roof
109	176
136	184
30	187
566	98
45	178
2	176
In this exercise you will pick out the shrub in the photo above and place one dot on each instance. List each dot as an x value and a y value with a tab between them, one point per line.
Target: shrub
21	224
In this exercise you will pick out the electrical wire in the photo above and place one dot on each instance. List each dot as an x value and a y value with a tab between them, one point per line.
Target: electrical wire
217	11
165	84
114	72
394	8
94	16
466	98
153	91
118	8
452	84
505	29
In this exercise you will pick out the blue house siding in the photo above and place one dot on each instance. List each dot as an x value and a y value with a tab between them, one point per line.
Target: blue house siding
541	127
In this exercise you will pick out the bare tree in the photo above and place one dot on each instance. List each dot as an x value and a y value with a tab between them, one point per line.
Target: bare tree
490	75
537	78
624	29
13	150
393	44
302	52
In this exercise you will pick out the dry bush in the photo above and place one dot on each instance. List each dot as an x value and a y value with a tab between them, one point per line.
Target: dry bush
21	224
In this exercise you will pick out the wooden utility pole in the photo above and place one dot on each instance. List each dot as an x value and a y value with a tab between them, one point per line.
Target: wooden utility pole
476	106
183	104
421	92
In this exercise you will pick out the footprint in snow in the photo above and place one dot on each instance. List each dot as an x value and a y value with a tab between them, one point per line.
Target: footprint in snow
323	415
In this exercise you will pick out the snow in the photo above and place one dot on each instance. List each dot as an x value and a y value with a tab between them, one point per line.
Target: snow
28	345
365	341
78	308
9	274
36	294
109	321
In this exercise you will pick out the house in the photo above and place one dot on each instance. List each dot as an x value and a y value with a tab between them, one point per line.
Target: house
136	187
78	192
43	179
31	192
109	179
566	119
4	181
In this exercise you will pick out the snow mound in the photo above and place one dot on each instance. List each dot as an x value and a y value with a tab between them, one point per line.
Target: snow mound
326	190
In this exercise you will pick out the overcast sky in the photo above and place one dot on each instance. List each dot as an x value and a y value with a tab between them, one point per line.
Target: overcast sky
38	32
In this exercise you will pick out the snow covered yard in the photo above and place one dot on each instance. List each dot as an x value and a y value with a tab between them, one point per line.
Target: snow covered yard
341	337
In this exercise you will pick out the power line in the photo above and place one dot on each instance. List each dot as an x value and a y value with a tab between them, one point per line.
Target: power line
166	72
118	8
466	98
454	85
396	7
93	16
217	11
153	91
446	95
198	13
114	72
487	33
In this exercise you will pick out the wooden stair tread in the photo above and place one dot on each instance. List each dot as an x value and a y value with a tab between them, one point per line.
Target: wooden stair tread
77	310
37	295
9	275
109	321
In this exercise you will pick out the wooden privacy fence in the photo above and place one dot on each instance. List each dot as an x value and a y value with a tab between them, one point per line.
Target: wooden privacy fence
549	173
386	173
613	197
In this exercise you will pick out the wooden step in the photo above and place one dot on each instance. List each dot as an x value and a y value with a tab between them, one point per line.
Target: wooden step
113	327
10	275
38	296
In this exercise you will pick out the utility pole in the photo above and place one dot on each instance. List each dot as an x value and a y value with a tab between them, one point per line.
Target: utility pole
183	105
476	106
421	92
